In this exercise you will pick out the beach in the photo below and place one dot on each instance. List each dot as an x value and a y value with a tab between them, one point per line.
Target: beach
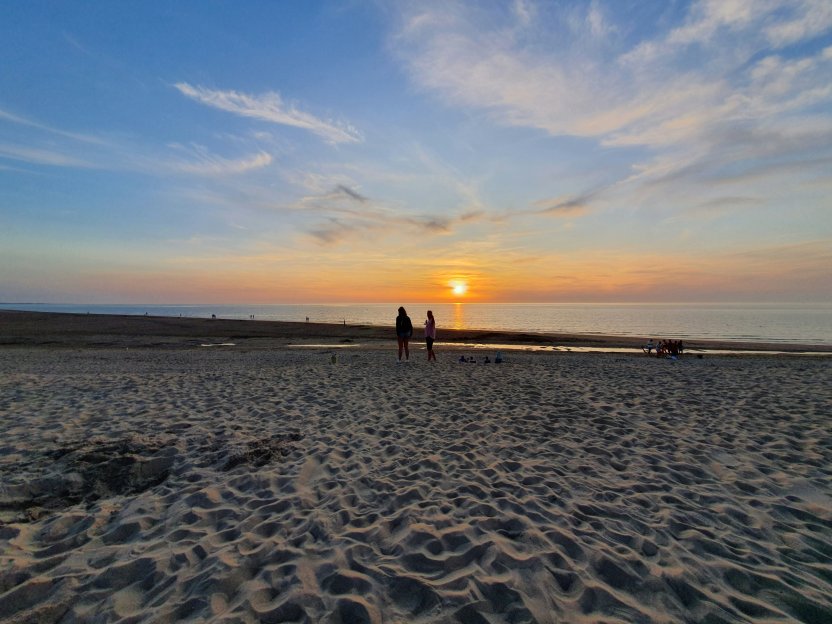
300	474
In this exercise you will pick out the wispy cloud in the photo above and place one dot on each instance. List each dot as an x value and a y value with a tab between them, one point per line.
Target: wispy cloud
4	167
470	66
724	205
341	196
332	232
204	163
707	17
566	206
652	97
270	107
524	11
751	26
38	156
702	114
557	87
597	21
343	212
198	161
335	230
343	190
74	150
807	18
76	44
25	121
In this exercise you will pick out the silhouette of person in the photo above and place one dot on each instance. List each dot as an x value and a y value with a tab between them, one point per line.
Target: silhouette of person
430	335
404	331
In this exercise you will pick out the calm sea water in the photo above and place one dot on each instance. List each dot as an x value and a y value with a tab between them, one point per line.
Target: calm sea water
795	323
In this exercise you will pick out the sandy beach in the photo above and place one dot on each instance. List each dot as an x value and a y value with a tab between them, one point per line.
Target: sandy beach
145	478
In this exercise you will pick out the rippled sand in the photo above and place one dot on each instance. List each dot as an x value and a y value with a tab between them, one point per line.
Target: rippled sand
272	485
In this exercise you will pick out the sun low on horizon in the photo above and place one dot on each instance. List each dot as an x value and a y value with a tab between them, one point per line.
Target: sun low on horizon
459	288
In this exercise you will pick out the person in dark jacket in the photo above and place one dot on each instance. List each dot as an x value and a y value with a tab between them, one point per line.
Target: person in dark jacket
430	335
404	331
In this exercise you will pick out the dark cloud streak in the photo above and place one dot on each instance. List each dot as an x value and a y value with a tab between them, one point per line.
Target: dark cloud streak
350	193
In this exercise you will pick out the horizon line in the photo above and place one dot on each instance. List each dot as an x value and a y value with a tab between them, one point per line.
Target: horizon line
394	303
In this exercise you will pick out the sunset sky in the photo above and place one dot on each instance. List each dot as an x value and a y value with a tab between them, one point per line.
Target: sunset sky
378	151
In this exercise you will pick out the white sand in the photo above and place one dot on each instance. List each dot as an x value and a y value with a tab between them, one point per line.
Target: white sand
269	486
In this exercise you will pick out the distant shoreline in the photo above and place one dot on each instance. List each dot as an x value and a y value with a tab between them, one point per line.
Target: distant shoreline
793	324
58	329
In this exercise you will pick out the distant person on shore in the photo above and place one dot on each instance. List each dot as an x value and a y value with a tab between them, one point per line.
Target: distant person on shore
648	348
430	335
404	331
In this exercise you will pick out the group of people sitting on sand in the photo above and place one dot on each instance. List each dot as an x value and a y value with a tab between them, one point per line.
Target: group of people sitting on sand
664	348
498	359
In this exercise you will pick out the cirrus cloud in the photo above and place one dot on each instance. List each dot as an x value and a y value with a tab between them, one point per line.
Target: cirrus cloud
272	108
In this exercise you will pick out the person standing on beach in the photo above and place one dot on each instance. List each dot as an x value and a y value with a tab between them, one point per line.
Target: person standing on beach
404	331
430	335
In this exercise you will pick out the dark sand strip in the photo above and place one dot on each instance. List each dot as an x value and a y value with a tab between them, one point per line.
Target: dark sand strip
50	329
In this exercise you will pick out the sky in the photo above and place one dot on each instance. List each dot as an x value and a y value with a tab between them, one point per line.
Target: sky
383	151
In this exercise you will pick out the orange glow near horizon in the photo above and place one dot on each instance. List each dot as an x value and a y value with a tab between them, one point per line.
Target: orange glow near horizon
299	276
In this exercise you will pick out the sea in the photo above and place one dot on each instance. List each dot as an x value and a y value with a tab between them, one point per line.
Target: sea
809	323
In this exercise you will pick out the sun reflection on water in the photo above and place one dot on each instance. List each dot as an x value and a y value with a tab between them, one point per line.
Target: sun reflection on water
459	317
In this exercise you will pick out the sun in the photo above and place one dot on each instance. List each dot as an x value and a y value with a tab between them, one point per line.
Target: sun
459	288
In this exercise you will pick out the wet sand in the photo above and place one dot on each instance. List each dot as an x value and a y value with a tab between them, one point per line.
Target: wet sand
101	330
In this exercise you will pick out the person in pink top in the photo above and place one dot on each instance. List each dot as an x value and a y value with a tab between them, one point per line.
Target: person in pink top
430	335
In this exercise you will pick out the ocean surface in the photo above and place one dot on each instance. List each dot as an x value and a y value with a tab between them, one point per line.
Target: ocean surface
777	323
